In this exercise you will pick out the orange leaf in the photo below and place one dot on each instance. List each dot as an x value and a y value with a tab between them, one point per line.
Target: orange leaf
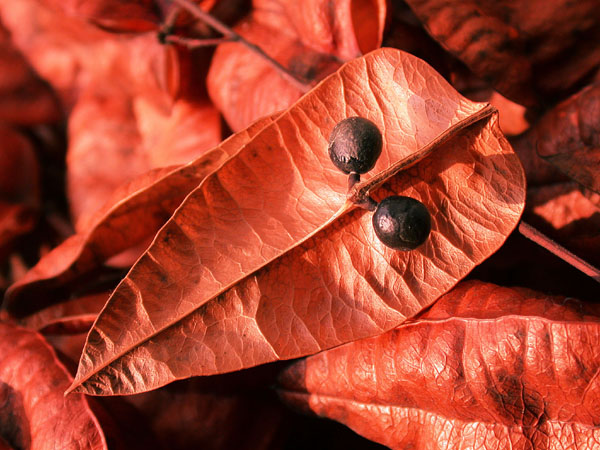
266	259
313	39
485	367
132	214
34	413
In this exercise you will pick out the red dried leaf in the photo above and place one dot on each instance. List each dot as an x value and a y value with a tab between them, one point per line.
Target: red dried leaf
313	39
564	213
123	15
569	137
107	147
485	367
528	51
130	216
19	186
34	413
266	259
24	98
74	56
70	317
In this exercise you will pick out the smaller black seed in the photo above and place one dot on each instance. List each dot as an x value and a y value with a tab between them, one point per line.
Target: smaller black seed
402	223
355	144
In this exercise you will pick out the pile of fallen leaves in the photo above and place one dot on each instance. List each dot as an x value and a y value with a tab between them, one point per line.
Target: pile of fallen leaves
179	255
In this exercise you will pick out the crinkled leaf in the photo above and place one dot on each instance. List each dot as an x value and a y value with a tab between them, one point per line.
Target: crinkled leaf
527	52
569	137
266	259
34	413
485	367
133	213
313	39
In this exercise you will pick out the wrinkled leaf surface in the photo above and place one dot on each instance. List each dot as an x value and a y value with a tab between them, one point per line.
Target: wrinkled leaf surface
486	367
266	259
133	213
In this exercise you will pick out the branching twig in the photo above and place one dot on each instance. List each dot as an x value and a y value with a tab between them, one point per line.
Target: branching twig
231	35
544	241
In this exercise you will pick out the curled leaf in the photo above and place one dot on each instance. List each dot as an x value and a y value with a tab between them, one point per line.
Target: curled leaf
34	413
267	260
485	367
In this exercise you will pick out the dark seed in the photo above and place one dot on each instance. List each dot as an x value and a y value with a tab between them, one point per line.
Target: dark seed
401	223
355	144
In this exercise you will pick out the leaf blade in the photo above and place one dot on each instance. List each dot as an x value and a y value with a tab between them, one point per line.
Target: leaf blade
230	313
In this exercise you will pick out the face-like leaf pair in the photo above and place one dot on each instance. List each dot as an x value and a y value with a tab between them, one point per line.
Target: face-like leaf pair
266	259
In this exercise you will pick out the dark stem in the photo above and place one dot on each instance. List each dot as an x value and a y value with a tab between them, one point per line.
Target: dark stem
365	201
544	241
233	36
166	28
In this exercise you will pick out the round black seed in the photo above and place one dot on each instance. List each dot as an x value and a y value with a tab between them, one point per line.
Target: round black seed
401	223
355	144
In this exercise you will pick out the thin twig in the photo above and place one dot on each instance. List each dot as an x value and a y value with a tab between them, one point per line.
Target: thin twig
192	43
544	241
233	36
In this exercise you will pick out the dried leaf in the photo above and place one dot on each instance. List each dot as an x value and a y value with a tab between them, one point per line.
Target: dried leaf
485	367
569	137
74	56
313	39
24	98
107	147
71	317
528	51
123	15
266	259
34	413
564	213
131	215
19	186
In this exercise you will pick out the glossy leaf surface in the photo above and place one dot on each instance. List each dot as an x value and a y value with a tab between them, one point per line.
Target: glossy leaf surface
485	367
266	260
34	413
